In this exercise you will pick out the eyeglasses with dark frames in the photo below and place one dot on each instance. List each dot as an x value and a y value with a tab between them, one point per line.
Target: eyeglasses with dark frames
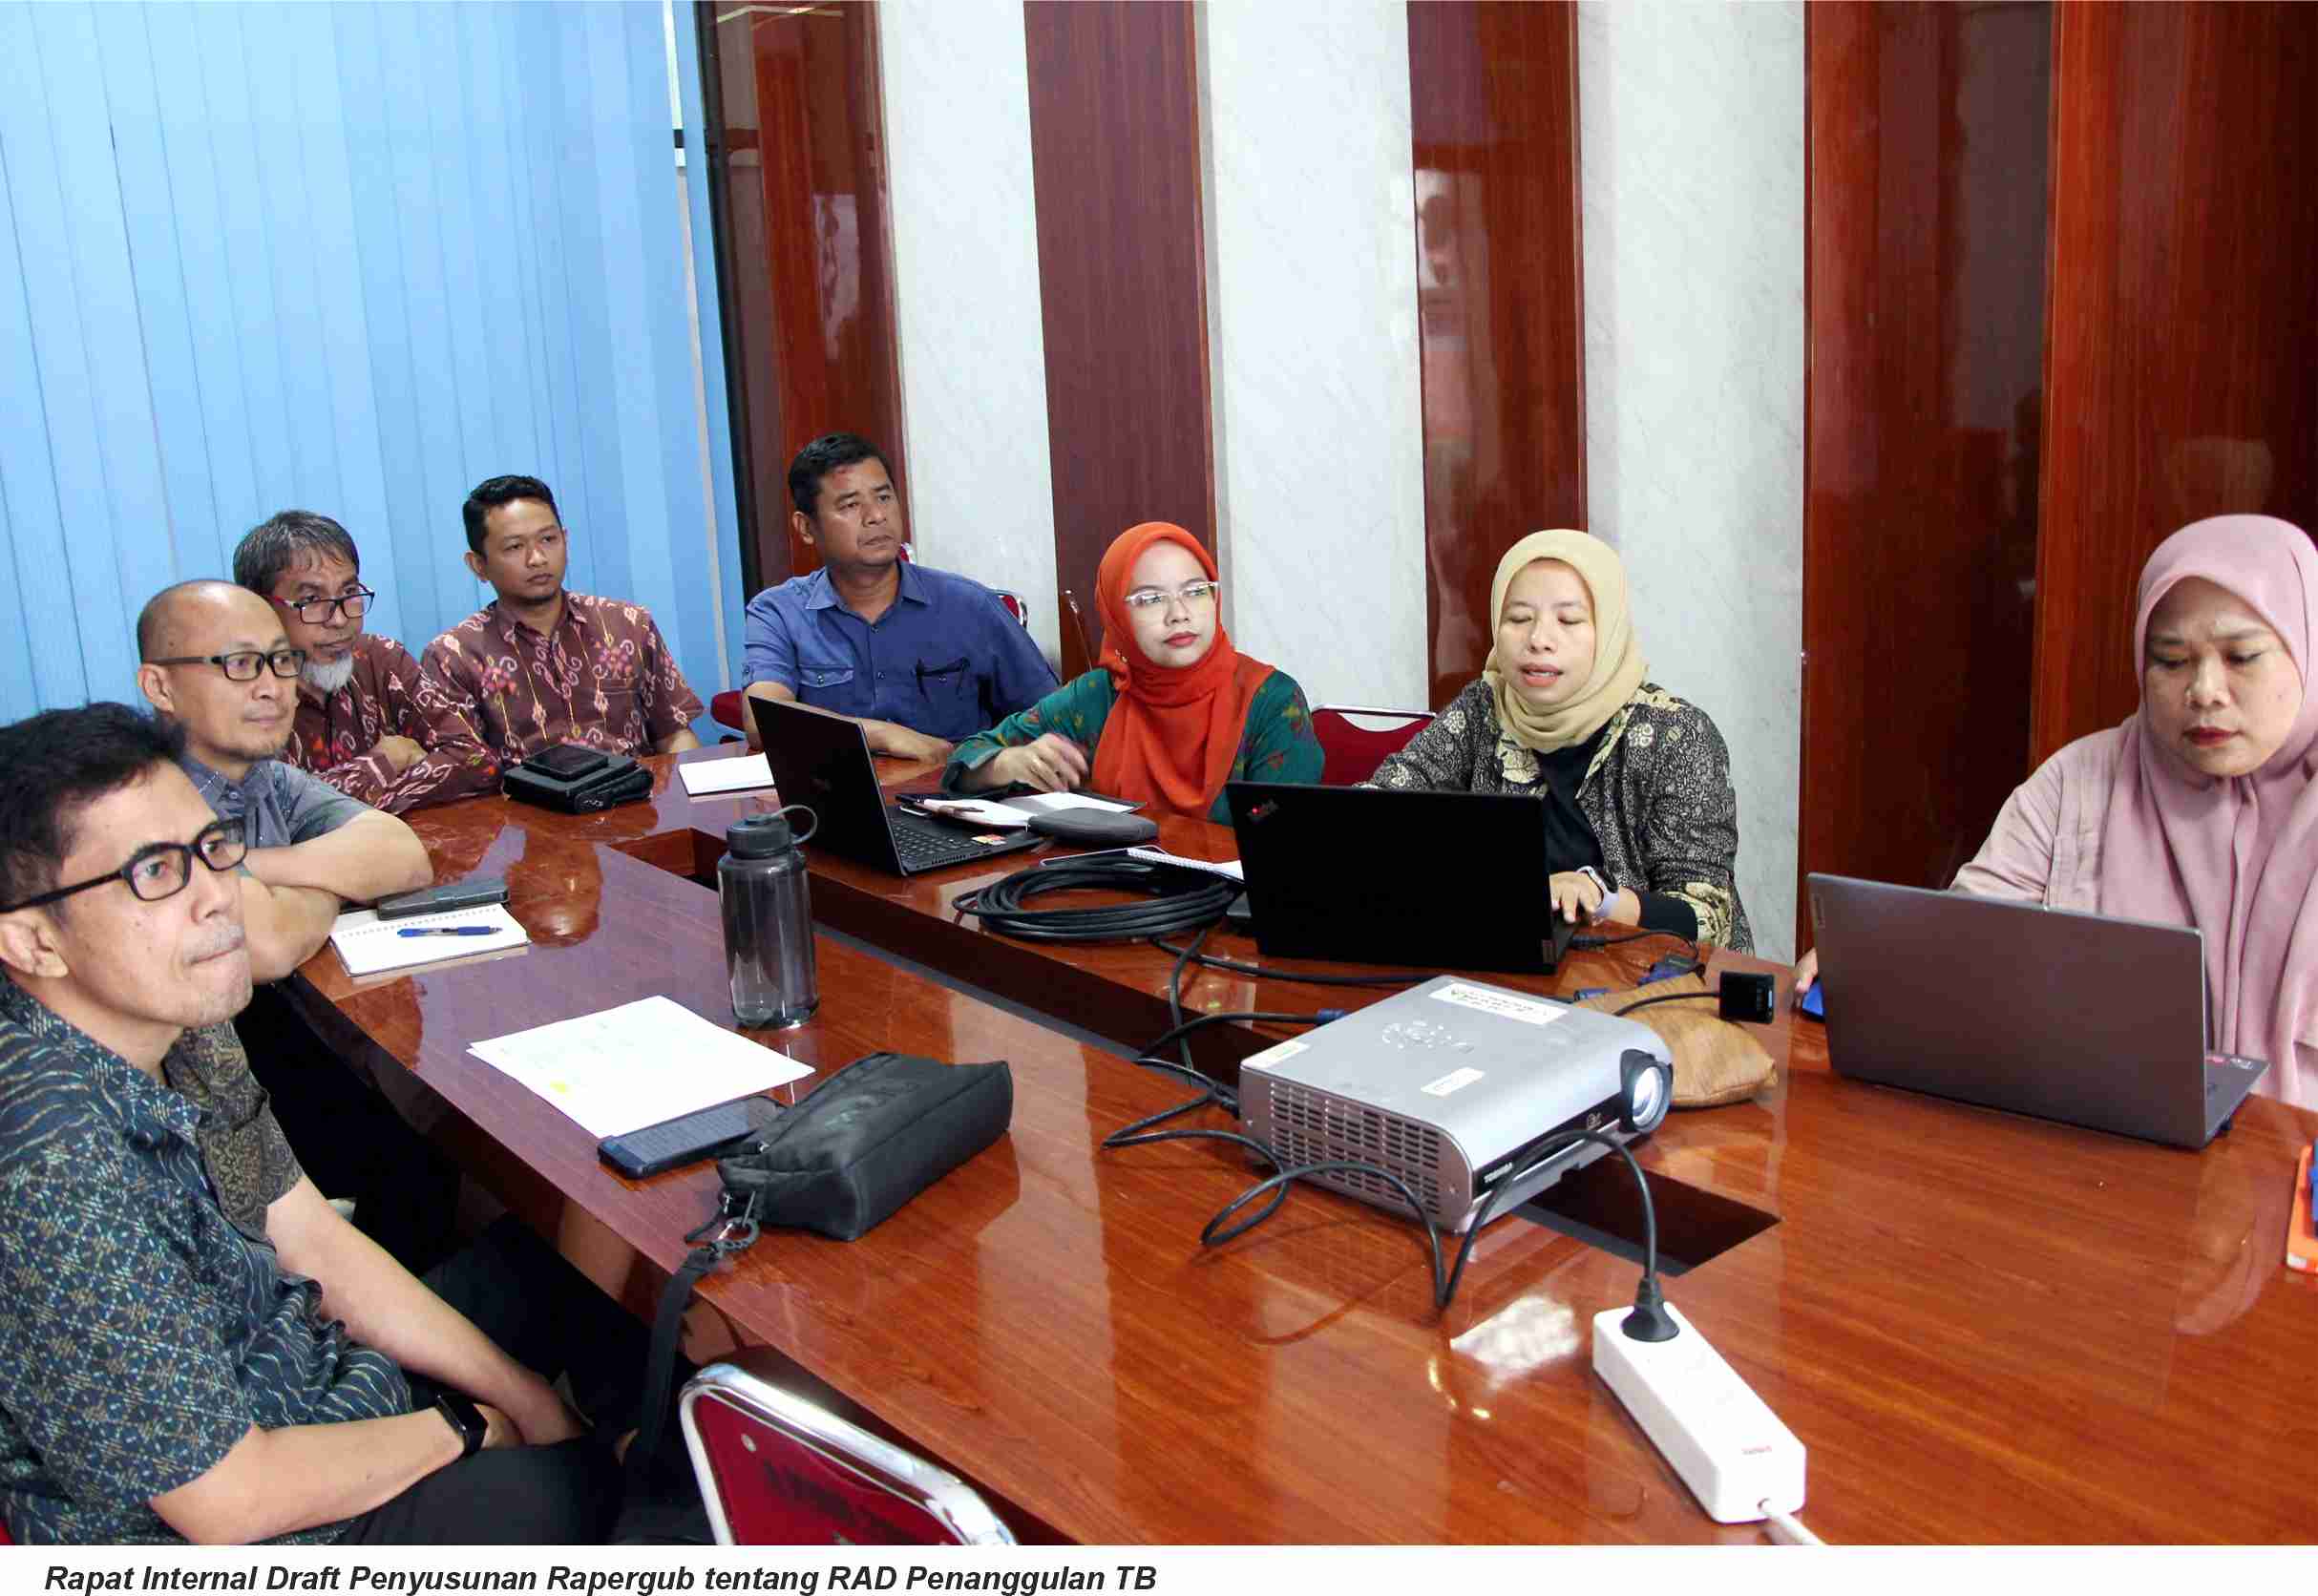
245	666
160	869
317	612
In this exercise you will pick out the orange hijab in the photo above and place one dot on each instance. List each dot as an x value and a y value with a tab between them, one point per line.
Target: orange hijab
1174	733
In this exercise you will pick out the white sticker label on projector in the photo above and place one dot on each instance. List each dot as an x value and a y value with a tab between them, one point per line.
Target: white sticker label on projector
1454	1081
1277	1054
1529	1011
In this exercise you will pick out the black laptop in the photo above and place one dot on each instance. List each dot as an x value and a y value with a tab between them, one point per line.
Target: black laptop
823	762
1423	880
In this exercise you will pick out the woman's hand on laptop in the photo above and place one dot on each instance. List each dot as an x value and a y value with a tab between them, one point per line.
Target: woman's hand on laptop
1806	973
1051	764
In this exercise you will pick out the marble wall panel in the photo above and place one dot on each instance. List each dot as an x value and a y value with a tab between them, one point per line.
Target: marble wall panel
1691	139
966	285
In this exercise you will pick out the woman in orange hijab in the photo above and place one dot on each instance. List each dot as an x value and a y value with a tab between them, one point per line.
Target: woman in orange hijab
1171	713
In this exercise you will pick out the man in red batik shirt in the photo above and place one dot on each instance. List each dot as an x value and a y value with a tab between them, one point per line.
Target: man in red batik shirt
364	723
540	666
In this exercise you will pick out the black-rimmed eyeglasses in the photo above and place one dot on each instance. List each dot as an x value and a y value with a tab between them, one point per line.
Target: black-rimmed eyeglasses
160	869
245	666
317	612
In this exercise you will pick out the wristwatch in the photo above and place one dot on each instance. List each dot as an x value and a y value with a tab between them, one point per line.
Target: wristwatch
1601	909
466	1421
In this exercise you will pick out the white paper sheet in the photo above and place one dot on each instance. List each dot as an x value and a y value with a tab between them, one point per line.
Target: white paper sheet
706	776
367	945
1228	867
1040	802
982	811
638	1064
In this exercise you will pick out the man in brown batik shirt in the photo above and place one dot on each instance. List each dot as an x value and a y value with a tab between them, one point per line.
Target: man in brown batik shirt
540	666
363	722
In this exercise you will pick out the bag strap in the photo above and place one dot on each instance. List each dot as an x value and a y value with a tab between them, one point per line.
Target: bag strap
736	1233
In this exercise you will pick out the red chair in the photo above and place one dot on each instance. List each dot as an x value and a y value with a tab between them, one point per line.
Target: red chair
777	1470
1015	606
1352	751
729	711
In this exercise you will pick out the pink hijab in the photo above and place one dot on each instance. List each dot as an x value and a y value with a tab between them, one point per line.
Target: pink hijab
2233	857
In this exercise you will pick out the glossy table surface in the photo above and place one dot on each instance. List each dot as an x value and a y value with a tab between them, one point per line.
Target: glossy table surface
1982	1327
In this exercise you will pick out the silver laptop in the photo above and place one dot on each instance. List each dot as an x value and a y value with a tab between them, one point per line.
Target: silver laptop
2079	1017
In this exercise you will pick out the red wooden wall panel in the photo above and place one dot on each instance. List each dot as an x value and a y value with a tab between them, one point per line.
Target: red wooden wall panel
808	248
1926	260
1493	101
2183	363
1115	144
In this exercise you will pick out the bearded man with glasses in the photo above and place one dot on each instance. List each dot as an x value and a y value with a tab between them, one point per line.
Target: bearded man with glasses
363	722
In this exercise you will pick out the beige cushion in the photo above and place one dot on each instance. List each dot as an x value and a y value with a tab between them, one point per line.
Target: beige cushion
1715	1062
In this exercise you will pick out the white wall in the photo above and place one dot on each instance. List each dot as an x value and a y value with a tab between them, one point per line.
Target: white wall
980	488
1311	313
1691	139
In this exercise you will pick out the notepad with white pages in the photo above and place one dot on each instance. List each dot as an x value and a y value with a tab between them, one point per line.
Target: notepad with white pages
705	777
369	946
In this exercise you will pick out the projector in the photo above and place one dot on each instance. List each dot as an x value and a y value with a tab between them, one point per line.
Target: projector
1444	1084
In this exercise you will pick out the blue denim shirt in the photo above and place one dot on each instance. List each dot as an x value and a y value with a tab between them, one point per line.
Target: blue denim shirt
946	659
145	1320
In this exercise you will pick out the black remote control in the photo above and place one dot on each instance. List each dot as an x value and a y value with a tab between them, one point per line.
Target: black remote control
673	1143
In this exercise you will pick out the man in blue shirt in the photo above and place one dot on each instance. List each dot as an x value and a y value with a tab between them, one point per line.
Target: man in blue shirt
921	657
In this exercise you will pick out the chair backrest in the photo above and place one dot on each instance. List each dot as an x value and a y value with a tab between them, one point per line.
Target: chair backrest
1078	654
1015	606
1351	750
728	710
777	1470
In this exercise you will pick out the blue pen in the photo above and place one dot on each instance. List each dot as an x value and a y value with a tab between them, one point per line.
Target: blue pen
446	930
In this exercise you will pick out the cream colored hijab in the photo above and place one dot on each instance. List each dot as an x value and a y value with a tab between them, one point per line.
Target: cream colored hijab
1618	665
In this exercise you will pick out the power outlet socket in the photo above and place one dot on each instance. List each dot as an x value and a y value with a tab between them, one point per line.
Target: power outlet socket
1725	1443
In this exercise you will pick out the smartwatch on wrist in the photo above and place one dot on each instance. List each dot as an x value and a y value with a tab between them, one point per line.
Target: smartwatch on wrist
1601	909
466	1421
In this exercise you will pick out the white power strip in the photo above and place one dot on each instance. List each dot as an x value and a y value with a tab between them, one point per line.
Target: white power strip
1729	1447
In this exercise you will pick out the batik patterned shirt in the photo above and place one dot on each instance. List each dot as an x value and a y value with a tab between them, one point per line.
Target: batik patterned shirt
145	1321
605	678
1657	791
386	697
1276	743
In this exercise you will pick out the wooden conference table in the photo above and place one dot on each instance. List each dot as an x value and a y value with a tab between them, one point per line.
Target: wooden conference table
1982	1327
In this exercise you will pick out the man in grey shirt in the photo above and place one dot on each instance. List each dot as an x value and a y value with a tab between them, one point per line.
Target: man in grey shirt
216	661
214	658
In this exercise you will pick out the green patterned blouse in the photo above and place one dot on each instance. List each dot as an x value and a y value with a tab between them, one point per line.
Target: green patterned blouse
1277	743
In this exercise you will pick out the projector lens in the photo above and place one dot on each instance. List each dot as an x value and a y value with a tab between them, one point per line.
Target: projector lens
1648	1088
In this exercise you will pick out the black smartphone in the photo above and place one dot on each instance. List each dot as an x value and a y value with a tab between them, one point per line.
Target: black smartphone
566	761
673	1143
439	900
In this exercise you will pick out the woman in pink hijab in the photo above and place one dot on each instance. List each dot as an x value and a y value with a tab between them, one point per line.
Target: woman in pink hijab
2202	809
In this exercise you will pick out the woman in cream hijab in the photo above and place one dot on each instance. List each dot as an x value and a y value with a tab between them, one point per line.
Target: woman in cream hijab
1640	818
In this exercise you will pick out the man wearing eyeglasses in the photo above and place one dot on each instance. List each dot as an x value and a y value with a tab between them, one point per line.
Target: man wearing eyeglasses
196	1346
362	723
216	663
216	660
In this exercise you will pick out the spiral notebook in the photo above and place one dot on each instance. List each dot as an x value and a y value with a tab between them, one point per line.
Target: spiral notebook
369	946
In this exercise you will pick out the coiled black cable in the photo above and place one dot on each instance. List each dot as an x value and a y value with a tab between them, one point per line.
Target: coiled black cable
1182	900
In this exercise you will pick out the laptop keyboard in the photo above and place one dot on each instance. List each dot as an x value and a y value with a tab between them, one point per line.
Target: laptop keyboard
928	845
